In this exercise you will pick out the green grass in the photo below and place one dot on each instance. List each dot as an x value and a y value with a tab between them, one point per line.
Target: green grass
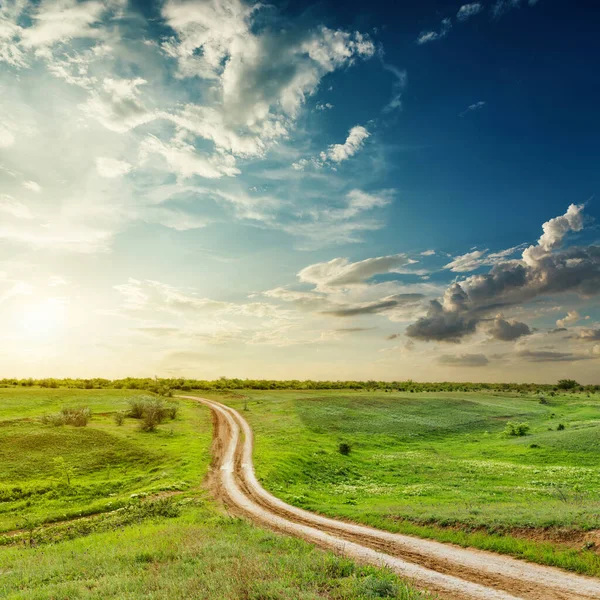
438	465
154	545
109	463
197	555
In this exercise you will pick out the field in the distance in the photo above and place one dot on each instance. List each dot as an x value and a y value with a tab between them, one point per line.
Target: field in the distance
438	465
133	520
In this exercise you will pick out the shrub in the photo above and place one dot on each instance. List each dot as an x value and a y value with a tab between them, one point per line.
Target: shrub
344	449
77	417
373	587
516	429
567	384
119	417
560	427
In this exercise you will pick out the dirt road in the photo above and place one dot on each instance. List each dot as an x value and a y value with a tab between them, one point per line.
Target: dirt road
453	572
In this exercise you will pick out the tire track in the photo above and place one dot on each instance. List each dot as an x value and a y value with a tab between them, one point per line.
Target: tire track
454	572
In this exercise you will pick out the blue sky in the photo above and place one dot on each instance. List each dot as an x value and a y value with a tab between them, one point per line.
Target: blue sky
331	190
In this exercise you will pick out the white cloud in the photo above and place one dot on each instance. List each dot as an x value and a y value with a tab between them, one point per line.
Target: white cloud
555	231
111	167
118	105
400	79
58	21
572	317
342	272
7	138
467	11
476	106
336	153
32	186
14	208
183	159
431	36
479	258
261	77
354	142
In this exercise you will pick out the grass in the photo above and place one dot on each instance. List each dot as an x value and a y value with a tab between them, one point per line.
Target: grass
199	554
50	473
438	465
143	538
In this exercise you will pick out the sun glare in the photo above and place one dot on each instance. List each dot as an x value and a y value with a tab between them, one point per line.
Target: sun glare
42	319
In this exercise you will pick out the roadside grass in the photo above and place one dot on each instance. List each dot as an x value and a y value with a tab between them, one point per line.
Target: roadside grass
438	465
141	540
50	473
199	554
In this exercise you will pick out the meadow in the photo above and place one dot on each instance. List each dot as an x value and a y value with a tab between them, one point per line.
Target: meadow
107	510
440	465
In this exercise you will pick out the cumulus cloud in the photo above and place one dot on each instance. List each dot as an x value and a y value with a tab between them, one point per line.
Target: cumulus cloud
261	77
431	36
543	270
464	360
354	142
337	153
590	335
572	317
466	11
507	330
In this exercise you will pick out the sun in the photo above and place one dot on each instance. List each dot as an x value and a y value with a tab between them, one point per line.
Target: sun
42	319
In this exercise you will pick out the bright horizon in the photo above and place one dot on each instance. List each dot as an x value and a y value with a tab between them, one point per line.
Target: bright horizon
309	191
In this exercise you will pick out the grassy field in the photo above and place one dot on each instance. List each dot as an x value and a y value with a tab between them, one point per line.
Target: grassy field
152	532
438	465
52	473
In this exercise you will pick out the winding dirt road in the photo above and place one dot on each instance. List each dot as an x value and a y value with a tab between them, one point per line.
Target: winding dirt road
453	572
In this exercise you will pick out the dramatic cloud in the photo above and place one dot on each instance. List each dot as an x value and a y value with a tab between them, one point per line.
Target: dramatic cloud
261	78
542	271
467	11
464	360
431	36
507	331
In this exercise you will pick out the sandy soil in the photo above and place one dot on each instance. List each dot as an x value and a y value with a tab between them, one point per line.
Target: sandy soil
453	572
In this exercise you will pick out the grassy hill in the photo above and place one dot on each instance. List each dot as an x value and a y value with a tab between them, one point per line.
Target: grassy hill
110	511
439	465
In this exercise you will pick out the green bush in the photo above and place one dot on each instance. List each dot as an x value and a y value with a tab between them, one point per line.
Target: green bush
344	448
561	427
119	417
78	417
514	429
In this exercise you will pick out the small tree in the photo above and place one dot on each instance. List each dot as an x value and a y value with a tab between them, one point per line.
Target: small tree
567	384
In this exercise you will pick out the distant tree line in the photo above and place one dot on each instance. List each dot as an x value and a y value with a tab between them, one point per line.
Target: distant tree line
166	387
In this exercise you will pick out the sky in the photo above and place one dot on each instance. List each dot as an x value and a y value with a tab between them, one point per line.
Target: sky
326	190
